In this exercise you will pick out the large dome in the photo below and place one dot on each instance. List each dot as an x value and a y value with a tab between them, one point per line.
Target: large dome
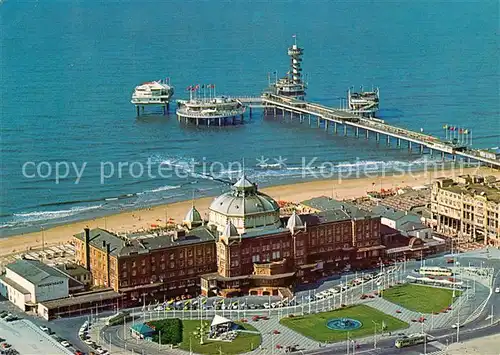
245	207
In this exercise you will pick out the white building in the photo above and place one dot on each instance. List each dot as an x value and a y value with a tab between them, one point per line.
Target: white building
28	282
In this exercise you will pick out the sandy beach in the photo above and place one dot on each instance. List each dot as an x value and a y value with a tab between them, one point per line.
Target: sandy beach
144	218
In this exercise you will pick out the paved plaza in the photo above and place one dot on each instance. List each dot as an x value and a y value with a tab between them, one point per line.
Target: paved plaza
27	338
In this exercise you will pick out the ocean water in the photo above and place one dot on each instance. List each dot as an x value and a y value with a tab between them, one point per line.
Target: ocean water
68	69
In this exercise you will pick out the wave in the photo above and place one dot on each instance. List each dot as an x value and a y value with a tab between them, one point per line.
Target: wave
48	215
293	171
164	188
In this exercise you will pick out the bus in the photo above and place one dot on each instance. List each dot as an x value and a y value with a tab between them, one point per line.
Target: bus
412	339
119	318
435	271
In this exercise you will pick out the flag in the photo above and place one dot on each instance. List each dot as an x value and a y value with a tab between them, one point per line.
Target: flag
460	130
203	86
189	88
445	126
197	87
466	131
294	36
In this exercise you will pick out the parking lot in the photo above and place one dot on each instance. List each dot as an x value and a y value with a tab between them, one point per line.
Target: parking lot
23	337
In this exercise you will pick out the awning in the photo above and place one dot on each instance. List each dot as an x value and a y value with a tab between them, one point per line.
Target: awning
218	320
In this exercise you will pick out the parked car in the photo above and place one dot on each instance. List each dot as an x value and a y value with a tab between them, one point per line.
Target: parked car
45	328
497	290
65	343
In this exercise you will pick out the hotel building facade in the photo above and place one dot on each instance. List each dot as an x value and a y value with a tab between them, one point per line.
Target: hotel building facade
467	208
245	247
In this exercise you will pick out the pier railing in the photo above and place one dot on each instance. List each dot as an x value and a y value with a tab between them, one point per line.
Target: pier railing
217	114
357	121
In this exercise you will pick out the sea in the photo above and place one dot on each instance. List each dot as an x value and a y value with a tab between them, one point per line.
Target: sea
72	147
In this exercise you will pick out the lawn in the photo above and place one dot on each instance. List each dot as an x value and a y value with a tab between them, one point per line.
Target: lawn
243	343
314	325
418	298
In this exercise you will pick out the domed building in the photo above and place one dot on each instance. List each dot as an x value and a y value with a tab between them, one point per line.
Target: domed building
245	207
193	218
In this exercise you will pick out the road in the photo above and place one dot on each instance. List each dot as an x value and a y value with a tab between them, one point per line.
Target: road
68	327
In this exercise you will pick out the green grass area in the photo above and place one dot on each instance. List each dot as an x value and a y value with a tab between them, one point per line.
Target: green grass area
243	343
418	298
314	325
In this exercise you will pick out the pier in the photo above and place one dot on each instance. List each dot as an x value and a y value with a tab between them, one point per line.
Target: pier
341	120
286	97
152	93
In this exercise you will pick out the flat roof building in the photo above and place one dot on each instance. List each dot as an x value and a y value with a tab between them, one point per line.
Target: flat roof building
27	282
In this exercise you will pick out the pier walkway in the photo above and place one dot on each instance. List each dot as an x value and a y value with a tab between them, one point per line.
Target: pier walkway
328	115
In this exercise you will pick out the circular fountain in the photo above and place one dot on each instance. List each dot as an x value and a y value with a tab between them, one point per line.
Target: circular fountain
343	324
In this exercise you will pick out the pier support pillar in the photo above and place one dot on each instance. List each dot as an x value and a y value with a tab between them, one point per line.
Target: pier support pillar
345	130
242	118
421	149
301	118
220	121
142	109
326	125
454	157
197	121
319	121
367	134
291	115
309	119
377	137
165	110
208	122
357	132
431	152
399	142
283	113
388	140
138	112
335	127
274	111
442	156
409	146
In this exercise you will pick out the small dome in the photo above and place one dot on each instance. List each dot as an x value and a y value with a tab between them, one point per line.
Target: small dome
230	231
193	216
294	222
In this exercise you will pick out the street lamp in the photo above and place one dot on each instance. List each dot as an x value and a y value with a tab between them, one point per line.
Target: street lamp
374	334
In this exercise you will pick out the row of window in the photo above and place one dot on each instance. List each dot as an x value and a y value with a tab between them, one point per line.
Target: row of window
160	262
